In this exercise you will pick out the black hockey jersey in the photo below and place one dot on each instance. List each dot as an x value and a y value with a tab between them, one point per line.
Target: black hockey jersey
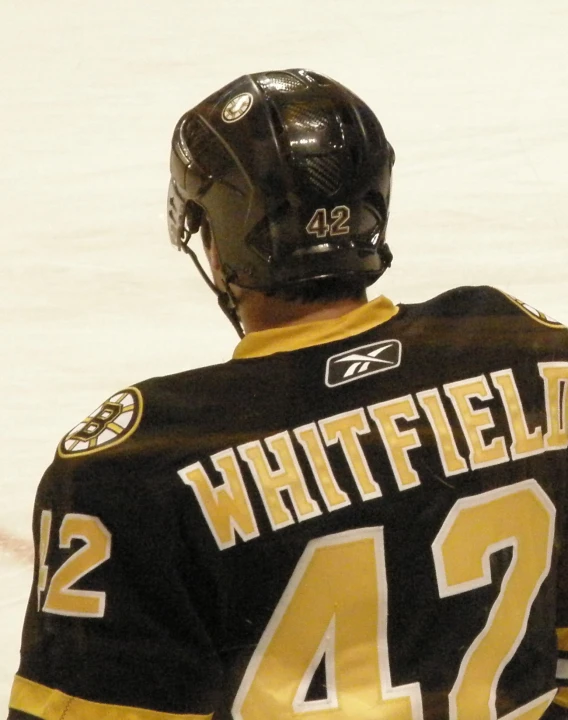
352	519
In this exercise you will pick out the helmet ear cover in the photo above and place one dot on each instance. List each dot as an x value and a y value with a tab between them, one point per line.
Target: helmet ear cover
184	214
193	217
185	218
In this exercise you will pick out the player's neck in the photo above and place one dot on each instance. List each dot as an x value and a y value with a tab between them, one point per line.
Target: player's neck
263	313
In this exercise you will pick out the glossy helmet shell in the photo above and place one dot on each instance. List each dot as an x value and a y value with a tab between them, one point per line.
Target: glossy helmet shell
292	172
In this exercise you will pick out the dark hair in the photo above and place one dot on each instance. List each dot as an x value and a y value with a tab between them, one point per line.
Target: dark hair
322	290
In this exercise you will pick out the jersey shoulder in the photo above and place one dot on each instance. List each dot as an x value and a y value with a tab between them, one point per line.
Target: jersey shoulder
538	316
139	423
121	423
479	301
484	322
124	453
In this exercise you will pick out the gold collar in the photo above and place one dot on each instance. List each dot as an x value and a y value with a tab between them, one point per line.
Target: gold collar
294	337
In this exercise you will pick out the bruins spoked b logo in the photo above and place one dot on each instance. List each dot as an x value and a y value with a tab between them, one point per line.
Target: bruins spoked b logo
537	315
110	424
237	107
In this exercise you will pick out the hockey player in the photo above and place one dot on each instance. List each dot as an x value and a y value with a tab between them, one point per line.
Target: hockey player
362	515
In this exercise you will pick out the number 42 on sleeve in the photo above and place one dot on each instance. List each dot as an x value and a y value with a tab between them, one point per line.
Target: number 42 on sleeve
60	596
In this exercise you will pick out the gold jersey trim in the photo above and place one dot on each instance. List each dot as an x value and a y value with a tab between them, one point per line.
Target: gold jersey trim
562	637
49	704
295	337
561	698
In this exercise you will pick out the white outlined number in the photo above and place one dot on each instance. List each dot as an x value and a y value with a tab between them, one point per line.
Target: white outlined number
61	597
335	610
335	223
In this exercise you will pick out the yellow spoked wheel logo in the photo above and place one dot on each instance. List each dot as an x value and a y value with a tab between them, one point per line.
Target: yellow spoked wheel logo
110	424
537	315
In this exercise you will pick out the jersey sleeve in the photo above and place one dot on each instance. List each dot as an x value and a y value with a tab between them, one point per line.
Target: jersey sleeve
561	699
559	708
111	629
536	315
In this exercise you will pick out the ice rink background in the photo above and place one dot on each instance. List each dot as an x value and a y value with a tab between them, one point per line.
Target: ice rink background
473	96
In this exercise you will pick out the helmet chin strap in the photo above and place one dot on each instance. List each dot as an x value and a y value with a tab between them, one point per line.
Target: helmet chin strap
226	299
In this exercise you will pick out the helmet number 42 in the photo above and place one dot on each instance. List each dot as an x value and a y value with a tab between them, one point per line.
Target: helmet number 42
329	222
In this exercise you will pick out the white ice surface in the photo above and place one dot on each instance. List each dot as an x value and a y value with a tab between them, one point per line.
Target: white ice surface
473	95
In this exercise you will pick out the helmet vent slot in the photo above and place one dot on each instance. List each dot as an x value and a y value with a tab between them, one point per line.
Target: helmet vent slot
280	82
262	237
305	118
195	136
206	150
324	173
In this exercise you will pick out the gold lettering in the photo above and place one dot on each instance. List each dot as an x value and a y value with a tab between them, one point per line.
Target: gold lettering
555	376
345	429
524	442
452	462
473	422
309	438
398	442
44	535
226	508
272	483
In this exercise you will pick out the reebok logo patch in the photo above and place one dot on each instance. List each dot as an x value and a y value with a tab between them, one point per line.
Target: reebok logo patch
362	362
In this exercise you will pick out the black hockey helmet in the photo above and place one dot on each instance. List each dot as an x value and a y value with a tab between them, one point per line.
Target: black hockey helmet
292	172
